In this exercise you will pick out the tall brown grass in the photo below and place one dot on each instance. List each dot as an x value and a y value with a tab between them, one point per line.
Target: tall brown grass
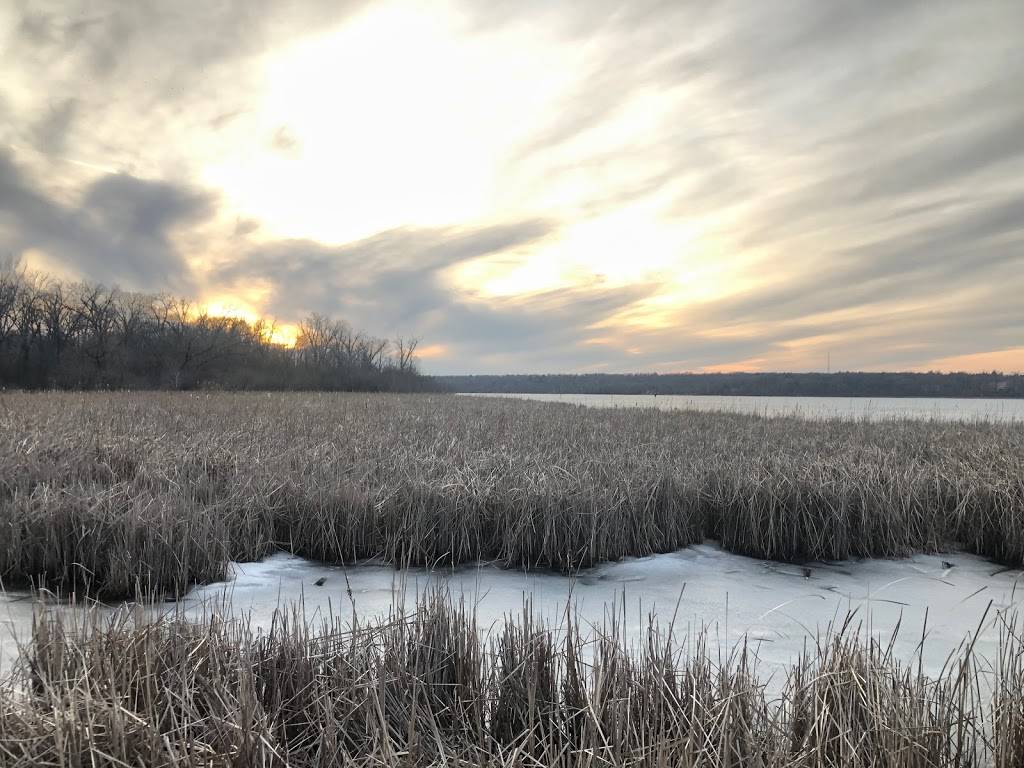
119	492
429	688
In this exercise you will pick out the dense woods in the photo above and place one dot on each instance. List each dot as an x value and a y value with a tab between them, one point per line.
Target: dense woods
844	384
86	336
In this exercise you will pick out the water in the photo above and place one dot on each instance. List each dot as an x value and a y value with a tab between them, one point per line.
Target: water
874	409
777	607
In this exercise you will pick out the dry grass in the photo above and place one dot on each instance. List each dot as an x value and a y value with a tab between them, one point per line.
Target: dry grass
429	689
119	492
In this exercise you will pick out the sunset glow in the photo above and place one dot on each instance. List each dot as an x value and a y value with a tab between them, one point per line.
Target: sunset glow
537	187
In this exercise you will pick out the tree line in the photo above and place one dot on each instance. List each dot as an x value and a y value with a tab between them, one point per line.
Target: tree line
56	334
843	384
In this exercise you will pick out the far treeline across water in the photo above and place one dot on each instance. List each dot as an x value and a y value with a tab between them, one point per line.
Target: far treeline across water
747	384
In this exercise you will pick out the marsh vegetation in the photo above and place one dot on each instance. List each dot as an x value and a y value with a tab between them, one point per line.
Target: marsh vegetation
129	495
119	492
429	688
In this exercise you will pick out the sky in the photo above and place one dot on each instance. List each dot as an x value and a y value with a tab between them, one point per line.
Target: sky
537	186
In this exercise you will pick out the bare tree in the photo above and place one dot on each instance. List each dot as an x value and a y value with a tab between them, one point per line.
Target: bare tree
374	351
319	336
405	351
61	324
96	308
9	285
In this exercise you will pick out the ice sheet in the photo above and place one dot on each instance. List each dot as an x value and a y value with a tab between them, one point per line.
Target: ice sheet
778	607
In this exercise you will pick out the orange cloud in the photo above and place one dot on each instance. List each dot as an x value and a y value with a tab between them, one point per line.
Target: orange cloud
1005	360
750	365
431	351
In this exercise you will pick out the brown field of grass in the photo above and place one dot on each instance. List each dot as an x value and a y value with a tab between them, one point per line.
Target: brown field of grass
116	492
119	494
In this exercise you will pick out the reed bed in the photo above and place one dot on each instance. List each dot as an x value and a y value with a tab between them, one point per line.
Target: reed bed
116	492
429	688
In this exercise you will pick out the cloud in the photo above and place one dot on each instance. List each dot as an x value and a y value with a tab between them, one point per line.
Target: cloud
147	71
284	141
388	281
394	284
854	171
186	38
862	172
309	276
119	232
941	252
50	134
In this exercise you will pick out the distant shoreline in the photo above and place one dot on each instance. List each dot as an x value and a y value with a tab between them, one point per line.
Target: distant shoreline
843	384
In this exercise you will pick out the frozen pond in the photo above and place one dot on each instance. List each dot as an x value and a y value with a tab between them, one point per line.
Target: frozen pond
777	606
873	408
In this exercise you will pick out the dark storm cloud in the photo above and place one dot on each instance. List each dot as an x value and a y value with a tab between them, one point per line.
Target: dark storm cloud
118	233
142	209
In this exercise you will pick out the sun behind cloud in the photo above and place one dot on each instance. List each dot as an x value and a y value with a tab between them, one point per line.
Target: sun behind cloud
398	120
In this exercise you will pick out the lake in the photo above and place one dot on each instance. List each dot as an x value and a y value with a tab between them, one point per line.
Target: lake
874	408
